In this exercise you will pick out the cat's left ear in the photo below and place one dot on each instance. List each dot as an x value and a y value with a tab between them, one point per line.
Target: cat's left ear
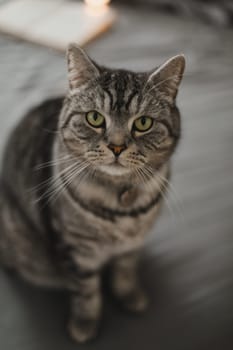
81	69
168	76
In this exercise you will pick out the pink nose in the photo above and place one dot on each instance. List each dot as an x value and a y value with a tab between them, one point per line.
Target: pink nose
116	149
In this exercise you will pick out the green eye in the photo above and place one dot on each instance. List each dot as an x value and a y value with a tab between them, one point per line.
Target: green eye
95	119
143	124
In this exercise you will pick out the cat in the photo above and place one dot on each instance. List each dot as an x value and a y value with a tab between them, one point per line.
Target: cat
83	180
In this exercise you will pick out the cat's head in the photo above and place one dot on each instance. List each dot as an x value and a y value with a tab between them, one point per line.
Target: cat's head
119	121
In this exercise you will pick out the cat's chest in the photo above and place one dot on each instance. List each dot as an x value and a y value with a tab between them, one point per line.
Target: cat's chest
103	221
105	232
107	239
113	202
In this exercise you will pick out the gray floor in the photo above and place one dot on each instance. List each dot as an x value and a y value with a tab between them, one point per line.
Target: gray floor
188	262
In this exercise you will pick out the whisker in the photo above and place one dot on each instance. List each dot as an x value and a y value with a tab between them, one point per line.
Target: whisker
42	184
170	190
161	186
174	196
51	131
53	162
58	191
55	181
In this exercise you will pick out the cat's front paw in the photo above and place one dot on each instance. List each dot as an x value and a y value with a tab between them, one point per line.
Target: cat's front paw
136	301
82	330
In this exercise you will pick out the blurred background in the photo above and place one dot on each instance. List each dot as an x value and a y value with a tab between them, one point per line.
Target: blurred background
188	262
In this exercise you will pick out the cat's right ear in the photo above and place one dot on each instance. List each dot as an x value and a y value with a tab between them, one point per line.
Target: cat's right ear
81	69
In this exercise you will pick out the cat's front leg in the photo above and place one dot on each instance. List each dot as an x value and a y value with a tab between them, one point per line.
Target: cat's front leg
125	283
86	305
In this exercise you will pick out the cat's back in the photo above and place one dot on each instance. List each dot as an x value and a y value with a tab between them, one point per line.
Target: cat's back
30	141
22	220
24	174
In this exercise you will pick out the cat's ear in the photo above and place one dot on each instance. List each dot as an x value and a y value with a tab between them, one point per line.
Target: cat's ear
168	76
81	69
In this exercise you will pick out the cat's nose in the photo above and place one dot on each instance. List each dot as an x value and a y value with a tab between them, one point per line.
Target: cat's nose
116	149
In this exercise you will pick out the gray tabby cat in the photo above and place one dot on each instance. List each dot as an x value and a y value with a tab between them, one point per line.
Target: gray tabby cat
83	180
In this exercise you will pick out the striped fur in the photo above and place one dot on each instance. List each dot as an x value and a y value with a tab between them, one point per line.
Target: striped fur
67	207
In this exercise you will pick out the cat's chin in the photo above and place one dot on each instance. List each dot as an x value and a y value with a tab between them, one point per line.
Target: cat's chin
114	169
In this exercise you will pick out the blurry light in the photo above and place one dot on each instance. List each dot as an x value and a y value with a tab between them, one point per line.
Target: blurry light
97	3
97	7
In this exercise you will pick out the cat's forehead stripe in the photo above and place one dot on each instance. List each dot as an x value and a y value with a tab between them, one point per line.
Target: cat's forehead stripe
121	88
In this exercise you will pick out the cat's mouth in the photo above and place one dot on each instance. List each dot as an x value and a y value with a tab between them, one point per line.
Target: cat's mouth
115	168
117	163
